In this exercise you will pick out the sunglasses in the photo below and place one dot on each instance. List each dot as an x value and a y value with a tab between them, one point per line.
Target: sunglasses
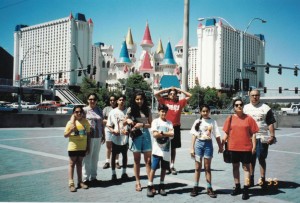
92	99
237	105
78	112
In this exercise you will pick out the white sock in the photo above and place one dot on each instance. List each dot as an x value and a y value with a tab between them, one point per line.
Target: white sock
107	160
172	165
150	183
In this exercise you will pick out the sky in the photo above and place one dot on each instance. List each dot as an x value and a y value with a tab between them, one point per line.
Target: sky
112	18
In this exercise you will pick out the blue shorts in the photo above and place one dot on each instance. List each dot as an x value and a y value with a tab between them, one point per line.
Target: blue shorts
157	161
203	148
142	143
261	149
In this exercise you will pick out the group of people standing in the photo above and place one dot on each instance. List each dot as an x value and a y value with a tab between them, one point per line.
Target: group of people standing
246	135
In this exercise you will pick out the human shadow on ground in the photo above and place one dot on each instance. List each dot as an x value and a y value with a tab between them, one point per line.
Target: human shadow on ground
274	189
193	170
179	188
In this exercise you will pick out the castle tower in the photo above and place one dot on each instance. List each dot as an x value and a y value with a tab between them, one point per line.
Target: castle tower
147	43
131	46
168	65
146	69
124	64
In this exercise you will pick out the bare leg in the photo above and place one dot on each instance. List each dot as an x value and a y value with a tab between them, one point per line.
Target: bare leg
147	159
236	172
137	166
207	164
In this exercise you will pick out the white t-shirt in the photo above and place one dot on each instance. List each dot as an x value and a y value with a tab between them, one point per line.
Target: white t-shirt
207	129
162	150
115	120
259	114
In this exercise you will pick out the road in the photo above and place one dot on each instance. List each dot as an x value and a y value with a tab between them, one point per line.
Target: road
34	165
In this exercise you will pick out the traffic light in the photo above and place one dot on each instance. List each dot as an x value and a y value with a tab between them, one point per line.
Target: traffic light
37	78
280	70
106	85
296	72
267	68
253	67
48	77
124	87
94	70
296	90
245	84
79	73
280	90
60	75
265	89
237	84
88	70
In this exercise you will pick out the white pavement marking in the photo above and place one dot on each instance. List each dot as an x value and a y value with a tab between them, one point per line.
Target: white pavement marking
273	150
29	138
33	172
35	152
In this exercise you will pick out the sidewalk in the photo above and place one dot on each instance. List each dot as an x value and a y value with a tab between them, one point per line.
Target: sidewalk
34	166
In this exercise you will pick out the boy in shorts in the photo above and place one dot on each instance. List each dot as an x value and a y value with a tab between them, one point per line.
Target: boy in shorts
162	130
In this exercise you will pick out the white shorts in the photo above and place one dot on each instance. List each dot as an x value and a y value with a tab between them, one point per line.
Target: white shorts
107	134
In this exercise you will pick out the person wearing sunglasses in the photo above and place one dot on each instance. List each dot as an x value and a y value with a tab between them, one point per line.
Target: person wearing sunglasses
265	120
78	145
90	162
240	132
175	107
106	110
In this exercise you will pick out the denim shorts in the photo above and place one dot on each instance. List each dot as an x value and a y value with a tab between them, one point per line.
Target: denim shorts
158	161
142	143
203	148
261	149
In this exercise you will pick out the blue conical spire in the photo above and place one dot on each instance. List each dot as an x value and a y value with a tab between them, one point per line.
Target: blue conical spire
169	59
124	57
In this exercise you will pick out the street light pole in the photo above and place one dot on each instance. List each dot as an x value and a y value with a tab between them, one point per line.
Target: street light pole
242	52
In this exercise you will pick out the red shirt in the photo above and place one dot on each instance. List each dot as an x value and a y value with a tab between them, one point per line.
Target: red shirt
240	132
175	109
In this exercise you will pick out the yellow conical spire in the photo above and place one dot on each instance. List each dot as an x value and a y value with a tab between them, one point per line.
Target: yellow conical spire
160	49
129	40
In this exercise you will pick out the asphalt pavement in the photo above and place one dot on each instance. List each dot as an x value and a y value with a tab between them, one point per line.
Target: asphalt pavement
34	168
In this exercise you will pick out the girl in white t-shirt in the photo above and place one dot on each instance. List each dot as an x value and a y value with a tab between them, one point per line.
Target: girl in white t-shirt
203	130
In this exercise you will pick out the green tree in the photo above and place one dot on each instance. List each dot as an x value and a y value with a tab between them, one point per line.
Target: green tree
89	86
133	83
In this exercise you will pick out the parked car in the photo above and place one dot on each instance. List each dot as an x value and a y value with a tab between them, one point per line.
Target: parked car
46	107
29	105
294	109
68	109
214	110
8	109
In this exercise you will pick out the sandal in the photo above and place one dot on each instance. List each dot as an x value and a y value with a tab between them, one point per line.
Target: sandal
138	187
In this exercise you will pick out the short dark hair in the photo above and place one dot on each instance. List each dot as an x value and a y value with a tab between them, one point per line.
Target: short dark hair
238	99
76	107
162	107
173	89
119	96
93	94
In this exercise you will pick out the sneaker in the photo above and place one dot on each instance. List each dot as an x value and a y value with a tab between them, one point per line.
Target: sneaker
173	171
124	176
211	193
245	195
72	187
236	191
150	191
82	185
263	184
118	165
168	171
161	190
114	177
106	165
194	192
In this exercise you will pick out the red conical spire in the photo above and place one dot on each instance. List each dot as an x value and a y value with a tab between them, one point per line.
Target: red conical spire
146	64
147	37
90	21
71	16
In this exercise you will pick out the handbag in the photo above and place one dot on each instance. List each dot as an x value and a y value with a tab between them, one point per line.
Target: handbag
136	132
226	153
